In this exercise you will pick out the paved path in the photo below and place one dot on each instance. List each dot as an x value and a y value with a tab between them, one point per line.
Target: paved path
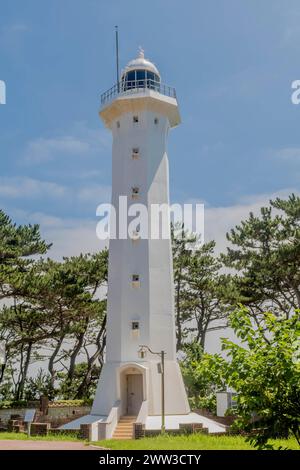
44	445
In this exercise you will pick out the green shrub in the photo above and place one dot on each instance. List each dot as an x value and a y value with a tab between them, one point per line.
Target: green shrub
209	402
7	404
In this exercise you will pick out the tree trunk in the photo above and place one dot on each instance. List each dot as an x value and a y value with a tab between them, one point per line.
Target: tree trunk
74	355
21	385
101	342
52	361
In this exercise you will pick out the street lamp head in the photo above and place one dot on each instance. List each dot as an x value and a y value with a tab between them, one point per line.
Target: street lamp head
141	352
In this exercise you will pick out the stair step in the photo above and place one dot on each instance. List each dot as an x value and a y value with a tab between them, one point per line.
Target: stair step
127	431
123	432
124	428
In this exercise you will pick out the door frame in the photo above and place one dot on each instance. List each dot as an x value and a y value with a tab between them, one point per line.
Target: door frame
122	372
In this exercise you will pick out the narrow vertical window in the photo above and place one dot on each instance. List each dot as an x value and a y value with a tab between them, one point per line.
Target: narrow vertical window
135	153
135	119
135	191
135	280
135	329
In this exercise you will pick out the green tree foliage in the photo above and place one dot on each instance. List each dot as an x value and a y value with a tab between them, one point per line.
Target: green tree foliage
18	244
61	320
265	374
38	386
265	253
199	304
54	312
200	378
70	389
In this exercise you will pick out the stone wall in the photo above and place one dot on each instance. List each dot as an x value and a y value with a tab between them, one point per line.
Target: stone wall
68	411
6	414
54	412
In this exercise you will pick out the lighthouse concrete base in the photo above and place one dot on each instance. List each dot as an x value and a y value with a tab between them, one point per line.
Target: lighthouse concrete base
133	383
101	426
135	389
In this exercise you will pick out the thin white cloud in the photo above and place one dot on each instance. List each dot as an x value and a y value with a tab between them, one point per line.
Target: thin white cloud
80	141
18	28
70	237
29	188
44	150
288	154
290	30
95	193
23	188
12	35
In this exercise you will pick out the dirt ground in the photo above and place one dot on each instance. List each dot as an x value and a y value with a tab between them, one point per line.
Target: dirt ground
43	445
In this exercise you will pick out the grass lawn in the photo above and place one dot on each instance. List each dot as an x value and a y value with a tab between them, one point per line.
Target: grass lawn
194	441
23	437
191	442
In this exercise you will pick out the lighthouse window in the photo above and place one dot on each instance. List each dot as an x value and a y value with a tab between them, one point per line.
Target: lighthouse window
151	80
135	281
140	77
135	119
135	325
131	76
135	192
130	80
155	120
135	236
135	153
118	124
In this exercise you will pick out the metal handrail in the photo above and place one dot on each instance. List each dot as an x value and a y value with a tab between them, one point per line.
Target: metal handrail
136	86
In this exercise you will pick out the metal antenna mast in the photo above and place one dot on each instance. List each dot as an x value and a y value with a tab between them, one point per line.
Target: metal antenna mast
117	54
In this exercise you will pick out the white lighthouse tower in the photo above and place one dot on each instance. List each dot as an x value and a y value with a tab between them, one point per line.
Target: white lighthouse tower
139	111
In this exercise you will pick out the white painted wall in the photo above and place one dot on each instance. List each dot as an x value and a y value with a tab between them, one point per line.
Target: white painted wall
152	303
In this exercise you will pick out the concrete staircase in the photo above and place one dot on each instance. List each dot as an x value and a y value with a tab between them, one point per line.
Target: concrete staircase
124	428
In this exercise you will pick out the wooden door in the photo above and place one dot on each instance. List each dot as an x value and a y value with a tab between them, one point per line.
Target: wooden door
134	393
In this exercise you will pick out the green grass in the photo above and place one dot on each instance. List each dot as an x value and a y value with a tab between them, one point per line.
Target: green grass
194	441
167	442
51	437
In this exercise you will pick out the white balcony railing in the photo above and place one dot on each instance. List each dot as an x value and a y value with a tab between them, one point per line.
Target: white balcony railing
136	86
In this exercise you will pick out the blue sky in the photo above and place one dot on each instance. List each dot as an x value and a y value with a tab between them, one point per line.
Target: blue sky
232	63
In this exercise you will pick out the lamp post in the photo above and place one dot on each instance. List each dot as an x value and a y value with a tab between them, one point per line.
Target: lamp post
161	354
2	359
